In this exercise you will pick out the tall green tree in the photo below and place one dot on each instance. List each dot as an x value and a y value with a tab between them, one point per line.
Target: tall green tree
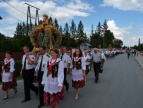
108	38
56	23
73	29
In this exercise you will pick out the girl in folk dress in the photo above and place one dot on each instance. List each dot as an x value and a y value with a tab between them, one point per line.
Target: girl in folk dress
53	80
78	71
8	81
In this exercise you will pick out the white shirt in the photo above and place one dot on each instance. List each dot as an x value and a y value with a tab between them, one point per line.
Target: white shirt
66	60
28	66
60	73
45	57
103	56
85	58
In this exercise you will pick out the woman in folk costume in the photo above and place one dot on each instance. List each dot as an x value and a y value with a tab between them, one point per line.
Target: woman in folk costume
8	81
53	80
78	71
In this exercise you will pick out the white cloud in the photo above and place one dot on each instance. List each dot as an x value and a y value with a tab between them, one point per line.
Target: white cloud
136	5
63	12
119	33
133	40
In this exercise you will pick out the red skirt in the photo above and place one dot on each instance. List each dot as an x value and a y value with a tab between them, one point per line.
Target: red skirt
9	85
78	84
53	99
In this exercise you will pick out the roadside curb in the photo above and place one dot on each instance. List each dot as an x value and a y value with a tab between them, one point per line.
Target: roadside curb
138	63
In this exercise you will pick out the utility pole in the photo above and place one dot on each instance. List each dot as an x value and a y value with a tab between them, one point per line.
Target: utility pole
29	17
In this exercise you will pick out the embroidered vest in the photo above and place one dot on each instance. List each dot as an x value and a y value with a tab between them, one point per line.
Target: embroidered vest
6	67
77	64
53	70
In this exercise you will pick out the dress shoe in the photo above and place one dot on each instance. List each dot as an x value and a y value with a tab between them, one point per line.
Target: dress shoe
96	80
15	91
25	100
41	105
5	98
37	93
76	97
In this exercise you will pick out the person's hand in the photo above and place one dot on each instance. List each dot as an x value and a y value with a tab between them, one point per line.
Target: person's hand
60	87
11	75
84	75
27	54
68	71
21	73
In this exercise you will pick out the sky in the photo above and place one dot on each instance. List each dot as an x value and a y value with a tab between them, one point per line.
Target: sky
124	17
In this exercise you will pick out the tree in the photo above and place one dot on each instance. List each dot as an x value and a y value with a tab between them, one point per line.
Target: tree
61	29
117	43
73	29
92	30
80	35
108	38
56	23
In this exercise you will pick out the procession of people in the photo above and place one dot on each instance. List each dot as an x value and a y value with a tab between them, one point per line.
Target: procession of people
51	70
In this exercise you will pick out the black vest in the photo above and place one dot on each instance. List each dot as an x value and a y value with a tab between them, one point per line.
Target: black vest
55	68
7	67
78	64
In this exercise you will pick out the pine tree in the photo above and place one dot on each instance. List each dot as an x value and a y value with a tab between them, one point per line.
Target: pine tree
92	30
105	26
73	29
66	30
56	23
61	29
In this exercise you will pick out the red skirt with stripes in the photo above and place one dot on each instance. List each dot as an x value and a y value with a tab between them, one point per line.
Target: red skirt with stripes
78	84
53	99
9	85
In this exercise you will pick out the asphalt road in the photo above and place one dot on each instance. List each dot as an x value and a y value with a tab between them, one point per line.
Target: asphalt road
120	86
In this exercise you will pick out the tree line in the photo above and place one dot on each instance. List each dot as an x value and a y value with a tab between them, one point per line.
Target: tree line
73	35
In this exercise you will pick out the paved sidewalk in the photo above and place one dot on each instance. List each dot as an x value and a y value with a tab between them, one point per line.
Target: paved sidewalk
139	59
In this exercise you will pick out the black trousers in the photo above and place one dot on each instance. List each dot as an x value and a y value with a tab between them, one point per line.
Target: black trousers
96	67
41	88
28	76
65	77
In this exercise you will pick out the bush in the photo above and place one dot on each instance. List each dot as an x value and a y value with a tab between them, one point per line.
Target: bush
17	68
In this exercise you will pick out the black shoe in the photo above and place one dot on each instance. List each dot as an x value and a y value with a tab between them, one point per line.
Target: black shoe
25	100
101	71
96	80
41	105
37	93
67	87
15	91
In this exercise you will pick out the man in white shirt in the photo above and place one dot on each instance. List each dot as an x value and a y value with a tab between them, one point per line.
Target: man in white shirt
66	61
27	73
40	60
87	59
103	58
96	56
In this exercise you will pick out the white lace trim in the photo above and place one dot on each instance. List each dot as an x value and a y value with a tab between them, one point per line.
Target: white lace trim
77	75
51	85
5	77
